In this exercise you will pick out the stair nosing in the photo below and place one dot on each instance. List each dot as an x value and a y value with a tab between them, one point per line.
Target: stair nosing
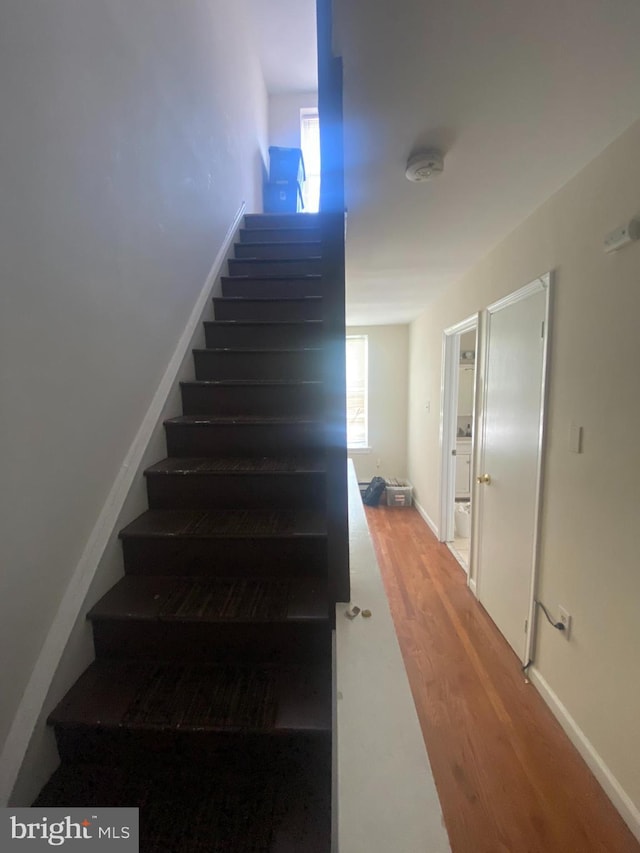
317	529
257	349
244	383
267	298
262	322
253	244
303	259
307	466
311	276
285	228
203	420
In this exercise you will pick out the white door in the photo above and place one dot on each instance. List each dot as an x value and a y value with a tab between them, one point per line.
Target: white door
510	460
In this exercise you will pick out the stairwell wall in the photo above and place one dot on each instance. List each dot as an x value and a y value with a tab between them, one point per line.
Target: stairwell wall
130	135
284	117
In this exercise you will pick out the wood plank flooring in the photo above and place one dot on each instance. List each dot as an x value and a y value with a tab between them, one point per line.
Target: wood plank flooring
508	778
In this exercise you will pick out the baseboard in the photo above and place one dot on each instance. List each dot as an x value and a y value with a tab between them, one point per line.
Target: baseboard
41	678
614	790
430	522
473	586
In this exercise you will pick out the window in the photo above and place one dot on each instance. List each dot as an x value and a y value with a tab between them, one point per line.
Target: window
357	391
310	144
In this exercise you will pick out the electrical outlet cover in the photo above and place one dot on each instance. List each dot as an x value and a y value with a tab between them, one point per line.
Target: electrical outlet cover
565	618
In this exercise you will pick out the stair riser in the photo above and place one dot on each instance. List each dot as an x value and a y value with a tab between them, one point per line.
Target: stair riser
279	235
218	643
278	250
281	220
251	288
299	266
236	491
287	366
276	335
286	400
141	748
248	309
262	558
242	439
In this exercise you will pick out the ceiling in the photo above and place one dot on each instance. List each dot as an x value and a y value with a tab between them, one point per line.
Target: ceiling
286	40
519	96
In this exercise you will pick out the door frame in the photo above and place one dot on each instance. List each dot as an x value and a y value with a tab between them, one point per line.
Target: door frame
542	283
448	424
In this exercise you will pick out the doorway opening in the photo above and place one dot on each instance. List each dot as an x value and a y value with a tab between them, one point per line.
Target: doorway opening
458	432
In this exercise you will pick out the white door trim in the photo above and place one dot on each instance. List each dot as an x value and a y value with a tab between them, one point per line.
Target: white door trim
543	283
448	409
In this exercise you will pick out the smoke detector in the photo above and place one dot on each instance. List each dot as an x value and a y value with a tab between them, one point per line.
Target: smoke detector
425	165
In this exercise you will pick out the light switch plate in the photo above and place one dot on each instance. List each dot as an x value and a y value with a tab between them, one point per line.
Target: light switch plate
575	438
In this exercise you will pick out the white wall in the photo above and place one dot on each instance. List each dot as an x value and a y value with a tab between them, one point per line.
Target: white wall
589	556
284	117
125	156
388	389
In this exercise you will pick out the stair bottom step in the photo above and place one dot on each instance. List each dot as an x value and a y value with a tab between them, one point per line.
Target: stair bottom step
203	749
283	809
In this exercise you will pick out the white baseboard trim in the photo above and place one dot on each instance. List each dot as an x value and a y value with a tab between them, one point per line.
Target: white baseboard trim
614	790
473	587
430	522
39	683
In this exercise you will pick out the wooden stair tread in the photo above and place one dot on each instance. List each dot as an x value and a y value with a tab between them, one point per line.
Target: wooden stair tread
257	236
252	261
313	243
226	524
308	323
197	698
259	350
238	465
275	383
271	277
292	220
286	299
276	809
204	420
216	600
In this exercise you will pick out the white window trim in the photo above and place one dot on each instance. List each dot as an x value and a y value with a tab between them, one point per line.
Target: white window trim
363	447
312	176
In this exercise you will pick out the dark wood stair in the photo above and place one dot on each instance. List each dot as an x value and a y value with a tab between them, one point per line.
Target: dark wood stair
258	332
282	266
219	482
296	308
272	286
266	397
281	809
291	249
214	649
299	363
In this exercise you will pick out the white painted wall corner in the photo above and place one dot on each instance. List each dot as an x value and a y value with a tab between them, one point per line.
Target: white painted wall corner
425	515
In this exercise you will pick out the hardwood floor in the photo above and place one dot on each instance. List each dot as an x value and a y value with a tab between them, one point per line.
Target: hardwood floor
508	778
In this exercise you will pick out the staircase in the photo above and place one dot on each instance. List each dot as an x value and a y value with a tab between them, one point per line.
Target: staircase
209	702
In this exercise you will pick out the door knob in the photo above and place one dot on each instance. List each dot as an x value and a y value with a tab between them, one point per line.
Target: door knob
483	480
